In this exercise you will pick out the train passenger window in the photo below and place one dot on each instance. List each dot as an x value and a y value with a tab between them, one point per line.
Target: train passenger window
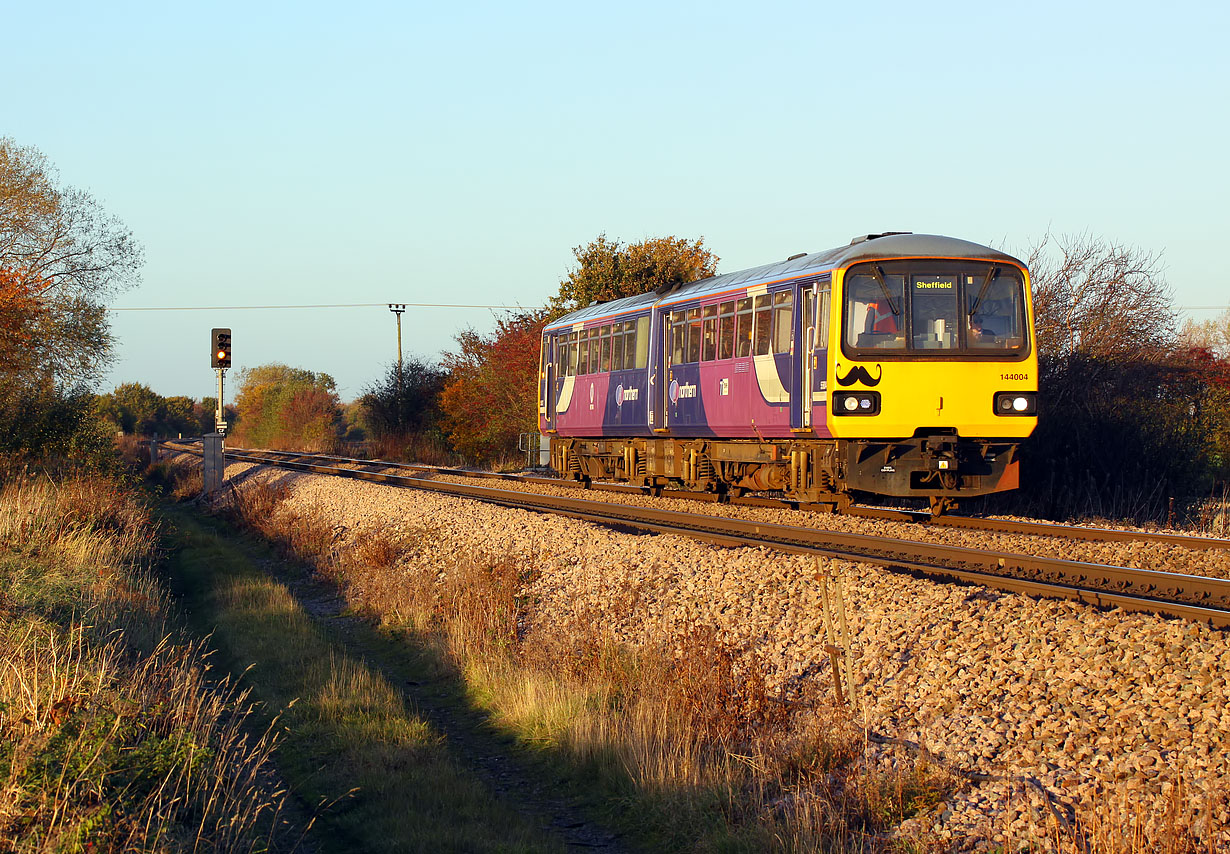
629	345
693	335
764	321
606	349
783	325
617	346
582	353
743	328
642	342
822	326
594	349
677	337
726	331
570	361
708	346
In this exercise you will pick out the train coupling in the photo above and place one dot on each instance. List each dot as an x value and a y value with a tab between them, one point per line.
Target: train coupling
939	455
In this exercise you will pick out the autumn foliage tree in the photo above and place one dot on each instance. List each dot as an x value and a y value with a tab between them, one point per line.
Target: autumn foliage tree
491	396
609	269
287	409
61	257
492	393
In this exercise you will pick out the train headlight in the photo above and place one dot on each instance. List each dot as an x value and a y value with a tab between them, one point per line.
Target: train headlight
1016	403
856	403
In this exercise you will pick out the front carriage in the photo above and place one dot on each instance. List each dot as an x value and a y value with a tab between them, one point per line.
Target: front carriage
898	365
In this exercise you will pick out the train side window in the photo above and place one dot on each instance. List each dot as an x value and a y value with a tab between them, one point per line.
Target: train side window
726	334
822	326
642	342
561	353
783	326
570	355
582	353
617	346
764	321
629	345
693	335
677	332
606	349
743	328
594	349
708	346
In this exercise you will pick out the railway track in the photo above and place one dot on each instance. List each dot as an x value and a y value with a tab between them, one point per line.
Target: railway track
999	526
1190	597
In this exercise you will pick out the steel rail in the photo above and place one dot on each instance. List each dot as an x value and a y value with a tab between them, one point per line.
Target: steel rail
1002	526
1189	597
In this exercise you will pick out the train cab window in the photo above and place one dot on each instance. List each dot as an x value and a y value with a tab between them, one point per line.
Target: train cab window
783	327
642	342
694	330
764	322
997	320
875	315
708	344
933	311
606	349
726	330
743	328
935	308
678	331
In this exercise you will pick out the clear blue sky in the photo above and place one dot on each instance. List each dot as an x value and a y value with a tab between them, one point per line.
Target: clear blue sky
283	153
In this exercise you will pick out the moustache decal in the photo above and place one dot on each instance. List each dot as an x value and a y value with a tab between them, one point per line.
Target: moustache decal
859	374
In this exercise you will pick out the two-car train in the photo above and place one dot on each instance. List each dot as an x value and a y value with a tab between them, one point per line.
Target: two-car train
899	365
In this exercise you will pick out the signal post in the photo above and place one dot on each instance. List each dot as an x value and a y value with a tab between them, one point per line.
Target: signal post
213	462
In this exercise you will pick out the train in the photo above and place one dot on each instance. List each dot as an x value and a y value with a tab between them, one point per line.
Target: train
900	365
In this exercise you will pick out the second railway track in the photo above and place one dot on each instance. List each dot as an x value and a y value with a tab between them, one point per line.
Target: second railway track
1190	597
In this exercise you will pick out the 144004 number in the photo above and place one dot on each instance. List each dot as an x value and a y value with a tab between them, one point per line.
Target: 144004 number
1014	376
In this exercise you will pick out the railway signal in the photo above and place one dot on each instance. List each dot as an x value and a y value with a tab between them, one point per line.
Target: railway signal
220	342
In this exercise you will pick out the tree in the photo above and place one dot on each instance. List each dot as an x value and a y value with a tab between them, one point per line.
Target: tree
287	408
1211	335
1099	299
492	394
61	256
1116	433
608	269
405	401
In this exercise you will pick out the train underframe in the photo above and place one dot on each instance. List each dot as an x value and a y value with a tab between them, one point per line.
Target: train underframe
939	468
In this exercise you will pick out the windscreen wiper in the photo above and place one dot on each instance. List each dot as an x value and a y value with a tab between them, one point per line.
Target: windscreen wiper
992	275
879	277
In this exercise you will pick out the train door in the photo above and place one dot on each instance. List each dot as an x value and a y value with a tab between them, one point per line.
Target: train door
550	368
817	406
659	369
805	364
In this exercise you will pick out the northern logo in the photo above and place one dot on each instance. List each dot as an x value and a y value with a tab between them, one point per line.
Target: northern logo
859	374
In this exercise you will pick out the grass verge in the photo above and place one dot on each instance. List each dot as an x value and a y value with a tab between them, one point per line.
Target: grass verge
112	737
348	740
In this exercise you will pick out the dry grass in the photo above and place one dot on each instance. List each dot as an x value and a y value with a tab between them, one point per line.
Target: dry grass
111	736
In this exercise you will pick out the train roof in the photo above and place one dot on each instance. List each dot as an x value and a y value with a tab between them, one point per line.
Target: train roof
870	247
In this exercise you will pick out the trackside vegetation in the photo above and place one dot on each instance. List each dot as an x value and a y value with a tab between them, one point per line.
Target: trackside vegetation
114	734
681	743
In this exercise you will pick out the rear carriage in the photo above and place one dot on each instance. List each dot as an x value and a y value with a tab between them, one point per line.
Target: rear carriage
899	365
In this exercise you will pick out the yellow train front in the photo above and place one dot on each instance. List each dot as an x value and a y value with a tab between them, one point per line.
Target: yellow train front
931	370
898	365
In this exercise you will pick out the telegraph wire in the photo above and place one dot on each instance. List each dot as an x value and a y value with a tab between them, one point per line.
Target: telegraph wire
322	305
